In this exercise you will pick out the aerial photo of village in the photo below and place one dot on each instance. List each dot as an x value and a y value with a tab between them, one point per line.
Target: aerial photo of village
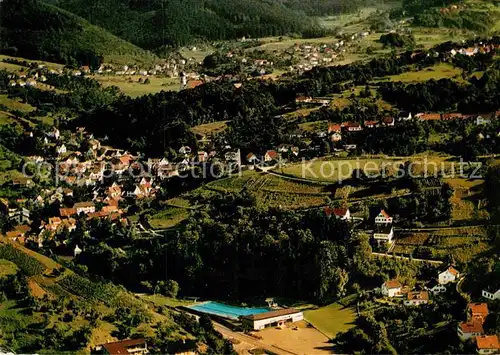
281	177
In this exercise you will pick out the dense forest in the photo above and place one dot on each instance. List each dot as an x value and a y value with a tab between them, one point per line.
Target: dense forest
36	30
155	24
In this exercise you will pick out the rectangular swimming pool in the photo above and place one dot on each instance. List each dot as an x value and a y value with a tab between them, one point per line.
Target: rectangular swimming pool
224	310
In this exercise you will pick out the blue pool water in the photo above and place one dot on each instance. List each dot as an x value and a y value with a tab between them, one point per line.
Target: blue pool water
227	311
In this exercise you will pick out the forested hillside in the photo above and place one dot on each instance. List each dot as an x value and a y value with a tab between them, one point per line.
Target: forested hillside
152	24
36	30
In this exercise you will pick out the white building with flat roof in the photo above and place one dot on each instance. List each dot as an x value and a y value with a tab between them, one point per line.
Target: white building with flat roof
272	319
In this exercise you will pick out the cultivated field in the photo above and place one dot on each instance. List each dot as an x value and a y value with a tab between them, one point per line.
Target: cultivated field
462	243
130	85
334	169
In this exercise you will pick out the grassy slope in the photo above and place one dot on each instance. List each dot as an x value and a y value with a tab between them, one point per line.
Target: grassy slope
331	319
11	315
42	31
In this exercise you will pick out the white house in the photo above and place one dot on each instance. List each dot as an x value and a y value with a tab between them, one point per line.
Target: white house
84	207
272	319
491	294
449	275
383	218
417	298
404	116
391	288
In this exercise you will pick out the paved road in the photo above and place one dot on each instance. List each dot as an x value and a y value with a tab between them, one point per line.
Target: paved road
229	334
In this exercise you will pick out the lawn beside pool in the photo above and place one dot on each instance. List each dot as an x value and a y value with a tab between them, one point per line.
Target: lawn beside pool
331	319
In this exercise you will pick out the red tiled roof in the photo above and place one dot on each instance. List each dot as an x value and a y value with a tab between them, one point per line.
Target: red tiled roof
272	154
480	309
430	116
388	120
487	342
336	211
120	347
471	327
453	271
385	214
392	284
370	123
194	83
333	127
65	212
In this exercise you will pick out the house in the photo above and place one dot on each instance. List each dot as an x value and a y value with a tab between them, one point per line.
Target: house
84	207
391	288
19	216
131	346
417	298
383	218
470	329
66	212
272	318
404	116
303	99
334	128
295	151
429	116
491	293
353	127
370	124
336	137
388	121
252	158
477	311
383	233
271	155
487	344
340	213
449	275
61	149
484	118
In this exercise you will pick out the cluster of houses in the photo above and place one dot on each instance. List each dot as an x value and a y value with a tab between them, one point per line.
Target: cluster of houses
393	288
335	130
383	230
472	328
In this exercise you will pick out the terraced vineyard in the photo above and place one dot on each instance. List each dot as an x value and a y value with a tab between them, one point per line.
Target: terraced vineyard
462	243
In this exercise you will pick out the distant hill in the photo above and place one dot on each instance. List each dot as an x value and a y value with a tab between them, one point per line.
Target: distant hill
37	30
151	24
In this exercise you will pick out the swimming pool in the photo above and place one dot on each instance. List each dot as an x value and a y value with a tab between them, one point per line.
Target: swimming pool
228	311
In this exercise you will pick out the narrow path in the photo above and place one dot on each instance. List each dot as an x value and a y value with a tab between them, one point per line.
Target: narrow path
436	262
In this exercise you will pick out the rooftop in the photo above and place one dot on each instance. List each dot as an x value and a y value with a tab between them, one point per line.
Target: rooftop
487	342
392	284
272	314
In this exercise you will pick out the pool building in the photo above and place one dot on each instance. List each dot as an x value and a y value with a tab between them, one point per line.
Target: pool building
276	318
253	317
